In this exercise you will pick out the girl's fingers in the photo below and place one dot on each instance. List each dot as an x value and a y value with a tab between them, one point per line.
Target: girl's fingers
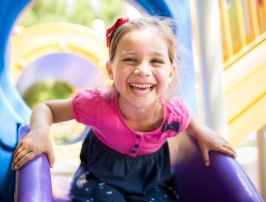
21	157
228	146
19	153
17	148
22	160
205	156
51	158
227	149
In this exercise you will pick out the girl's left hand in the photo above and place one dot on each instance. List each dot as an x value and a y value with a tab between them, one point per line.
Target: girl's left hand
209	140
215	142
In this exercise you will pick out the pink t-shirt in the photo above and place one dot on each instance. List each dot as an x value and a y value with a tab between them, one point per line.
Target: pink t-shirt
102	113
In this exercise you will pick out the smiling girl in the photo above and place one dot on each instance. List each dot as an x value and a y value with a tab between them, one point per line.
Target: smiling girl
125	156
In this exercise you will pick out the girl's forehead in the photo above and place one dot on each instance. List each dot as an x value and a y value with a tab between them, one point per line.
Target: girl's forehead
142	36
142	42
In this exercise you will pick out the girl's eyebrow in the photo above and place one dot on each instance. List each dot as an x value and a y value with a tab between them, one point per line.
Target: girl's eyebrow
128	52
160	54
157	53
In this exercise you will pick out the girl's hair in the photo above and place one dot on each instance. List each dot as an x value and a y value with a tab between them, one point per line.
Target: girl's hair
164	27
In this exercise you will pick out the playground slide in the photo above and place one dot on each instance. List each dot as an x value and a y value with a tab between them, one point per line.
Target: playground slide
245	93
61	42
31	43
64	51
224	180
244	83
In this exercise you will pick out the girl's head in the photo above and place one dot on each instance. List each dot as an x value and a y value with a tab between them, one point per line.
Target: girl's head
161	29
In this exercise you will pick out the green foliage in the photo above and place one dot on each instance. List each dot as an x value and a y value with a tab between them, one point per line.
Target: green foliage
51	89
82	12
47	90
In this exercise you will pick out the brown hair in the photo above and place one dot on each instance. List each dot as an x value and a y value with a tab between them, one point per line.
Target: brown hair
164	27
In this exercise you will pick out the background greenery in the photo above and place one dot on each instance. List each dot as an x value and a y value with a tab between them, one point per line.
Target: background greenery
82	12
47	90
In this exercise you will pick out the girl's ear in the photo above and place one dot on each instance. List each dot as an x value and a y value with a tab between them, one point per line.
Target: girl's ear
172	73
109	70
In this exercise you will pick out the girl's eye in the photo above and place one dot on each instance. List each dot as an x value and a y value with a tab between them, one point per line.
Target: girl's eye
130	60
157	61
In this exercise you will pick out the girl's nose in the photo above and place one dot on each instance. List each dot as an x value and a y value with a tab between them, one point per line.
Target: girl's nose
142	70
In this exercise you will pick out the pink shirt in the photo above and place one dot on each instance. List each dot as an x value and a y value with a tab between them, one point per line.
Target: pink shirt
93	108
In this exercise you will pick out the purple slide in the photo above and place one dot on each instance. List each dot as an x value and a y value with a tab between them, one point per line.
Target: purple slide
223	181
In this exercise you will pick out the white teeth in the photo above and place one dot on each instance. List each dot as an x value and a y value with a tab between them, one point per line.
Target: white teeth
142	91
141	85
141	88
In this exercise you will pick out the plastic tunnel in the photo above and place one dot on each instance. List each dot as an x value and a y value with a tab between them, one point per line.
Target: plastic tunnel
74	54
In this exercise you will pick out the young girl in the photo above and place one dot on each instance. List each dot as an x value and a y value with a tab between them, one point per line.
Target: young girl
125	156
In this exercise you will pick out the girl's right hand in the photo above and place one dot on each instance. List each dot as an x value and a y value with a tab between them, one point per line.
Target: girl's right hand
35	142
38	141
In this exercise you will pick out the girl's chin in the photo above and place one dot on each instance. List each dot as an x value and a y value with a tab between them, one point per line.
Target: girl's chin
141	103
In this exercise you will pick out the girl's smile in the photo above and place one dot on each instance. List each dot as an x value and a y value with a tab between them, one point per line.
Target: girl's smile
131	123
141	70
141	89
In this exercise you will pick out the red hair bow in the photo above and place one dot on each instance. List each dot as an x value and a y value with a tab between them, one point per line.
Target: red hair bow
111	30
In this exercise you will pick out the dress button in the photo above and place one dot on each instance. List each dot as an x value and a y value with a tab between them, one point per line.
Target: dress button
138	136
136	145
133	151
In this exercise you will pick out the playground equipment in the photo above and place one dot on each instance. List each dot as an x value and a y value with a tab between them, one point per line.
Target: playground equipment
62	51
14	111
14	114
224	180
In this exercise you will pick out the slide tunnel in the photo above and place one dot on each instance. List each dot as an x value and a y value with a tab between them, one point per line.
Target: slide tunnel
50	50
62	51
30	55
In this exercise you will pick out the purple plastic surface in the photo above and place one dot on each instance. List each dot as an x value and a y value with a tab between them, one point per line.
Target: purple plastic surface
33	183
223	181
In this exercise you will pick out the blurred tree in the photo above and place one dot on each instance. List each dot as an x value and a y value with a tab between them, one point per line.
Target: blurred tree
82	12
47	90
51	89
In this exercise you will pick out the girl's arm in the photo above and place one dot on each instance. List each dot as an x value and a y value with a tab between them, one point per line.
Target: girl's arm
209	140
38	140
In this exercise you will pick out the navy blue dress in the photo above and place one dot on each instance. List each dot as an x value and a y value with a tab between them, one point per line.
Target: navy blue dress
107	175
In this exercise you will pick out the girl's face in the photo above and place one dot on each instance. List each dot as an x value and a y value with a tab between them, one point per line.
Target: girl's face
141	69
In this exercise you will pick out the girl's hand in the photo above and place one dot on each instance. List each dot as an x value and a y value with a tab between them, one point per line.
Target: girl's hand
211	140
38	140
34	143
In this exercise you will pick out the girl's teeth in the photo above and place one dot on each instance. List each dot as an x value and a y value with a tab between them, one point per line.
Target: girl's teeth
141	86
145	88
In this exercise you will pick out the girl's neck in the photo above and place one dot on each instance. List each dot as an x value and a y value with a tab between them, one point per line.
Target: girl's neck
145	119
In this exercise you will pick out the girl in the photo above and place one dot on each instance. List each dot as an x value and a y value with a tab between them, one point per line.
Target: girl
125	155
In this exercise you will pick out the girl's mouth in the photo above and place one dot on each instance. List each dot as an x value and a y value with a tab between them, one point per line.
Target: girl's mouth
141	88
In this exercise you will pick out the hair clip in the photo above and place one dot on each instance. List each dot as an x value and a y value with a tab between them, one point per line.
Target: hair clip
111	30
